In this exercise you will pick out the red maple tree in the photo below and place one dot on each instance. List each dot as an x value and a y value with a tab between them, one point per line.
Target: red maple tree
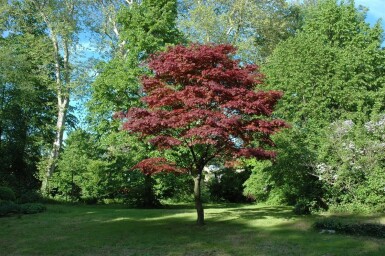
202	104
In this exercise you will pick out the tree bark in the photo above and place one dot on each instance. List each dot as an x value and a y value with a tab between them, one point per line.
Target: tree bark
61	40
54	155
198	200
2	104
149	198
62	104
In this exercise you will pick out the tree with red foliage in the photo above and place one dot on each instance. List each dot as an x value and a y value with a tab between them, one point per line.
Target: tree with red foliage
202	105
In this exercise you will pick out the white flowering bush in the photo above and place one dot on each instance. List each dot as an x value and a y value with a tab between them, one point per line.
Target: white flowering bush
351	163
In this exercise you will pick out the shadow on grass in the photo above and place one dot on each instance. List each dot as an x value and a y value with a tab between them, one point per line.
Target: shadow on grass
241	230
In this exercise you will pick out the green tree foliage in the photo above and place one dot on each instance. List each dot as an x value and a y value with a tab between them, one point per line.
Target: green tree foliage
174	187
80	173
258	185
331	70
7	194
26	97
143	27
103	24
62	36
254	27
90	172
227	185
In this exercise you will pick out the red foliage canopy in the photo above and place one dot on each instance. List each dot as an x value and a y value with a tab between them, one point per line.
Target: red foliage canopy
202	99
156	165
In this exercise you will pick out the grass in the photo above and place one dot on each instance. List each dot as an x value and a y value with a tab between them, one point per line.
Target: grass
230	230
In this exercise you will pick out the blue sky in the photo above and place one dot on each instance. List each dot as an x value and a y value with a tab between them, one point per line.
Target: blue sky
376	10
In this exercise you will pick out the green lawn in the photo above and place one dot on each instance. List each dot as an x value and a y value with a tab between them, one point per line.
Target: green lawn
230	230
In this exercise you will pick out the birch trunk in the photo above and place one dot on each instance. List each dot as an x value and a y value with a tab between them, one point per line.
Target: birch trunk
54	155
62	77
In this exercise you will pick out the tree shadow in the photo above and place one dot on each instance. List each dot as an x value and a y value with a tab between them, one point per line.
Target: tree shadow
241	230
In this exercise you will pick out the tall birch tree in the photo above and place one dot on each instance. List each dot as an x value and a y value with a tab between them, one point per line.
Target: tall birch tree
102	21
62	22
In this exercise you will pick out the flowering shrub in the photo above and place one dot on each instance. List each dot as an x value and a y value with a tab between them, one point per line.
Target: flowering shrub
351	163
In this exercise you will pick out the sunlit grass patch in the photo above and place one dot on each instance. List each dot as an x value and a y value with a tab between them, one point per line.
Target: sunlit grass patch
230	230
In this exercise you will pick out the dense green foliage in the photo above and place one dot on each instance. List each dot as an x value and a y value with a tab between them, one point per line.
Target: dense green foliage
333	79
146	28
8	206
7	194
26	97
227	186
254	27
32	208
97	165
351	163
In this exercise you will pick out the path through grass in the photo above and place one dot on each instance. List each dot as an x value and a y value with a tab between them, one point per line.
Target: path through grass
105	230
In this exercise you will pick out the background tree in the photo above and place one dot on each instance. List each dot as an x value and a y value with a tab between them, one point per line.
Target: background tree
26	97
254	27
82	174
102	21
227	185
201	105
144	27
62	36
332	70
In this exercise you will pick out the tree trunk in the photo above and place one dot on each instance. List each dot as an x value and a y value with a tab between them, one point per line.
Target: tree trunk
149	198
61	35
2	104
198	200
54	156
63	93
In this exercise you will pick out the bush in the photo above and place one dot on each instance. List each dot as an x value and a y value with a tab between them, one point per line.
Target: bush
176	187
29	197
31	208
360	229
7	194
227	186
90	200
303	207
8	207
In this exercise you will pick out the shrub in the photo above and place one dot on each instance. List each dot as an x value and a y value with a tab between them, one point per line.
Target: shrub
227	186
29	197
7	194
303	207
360	229
90	200
31	208
8	207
